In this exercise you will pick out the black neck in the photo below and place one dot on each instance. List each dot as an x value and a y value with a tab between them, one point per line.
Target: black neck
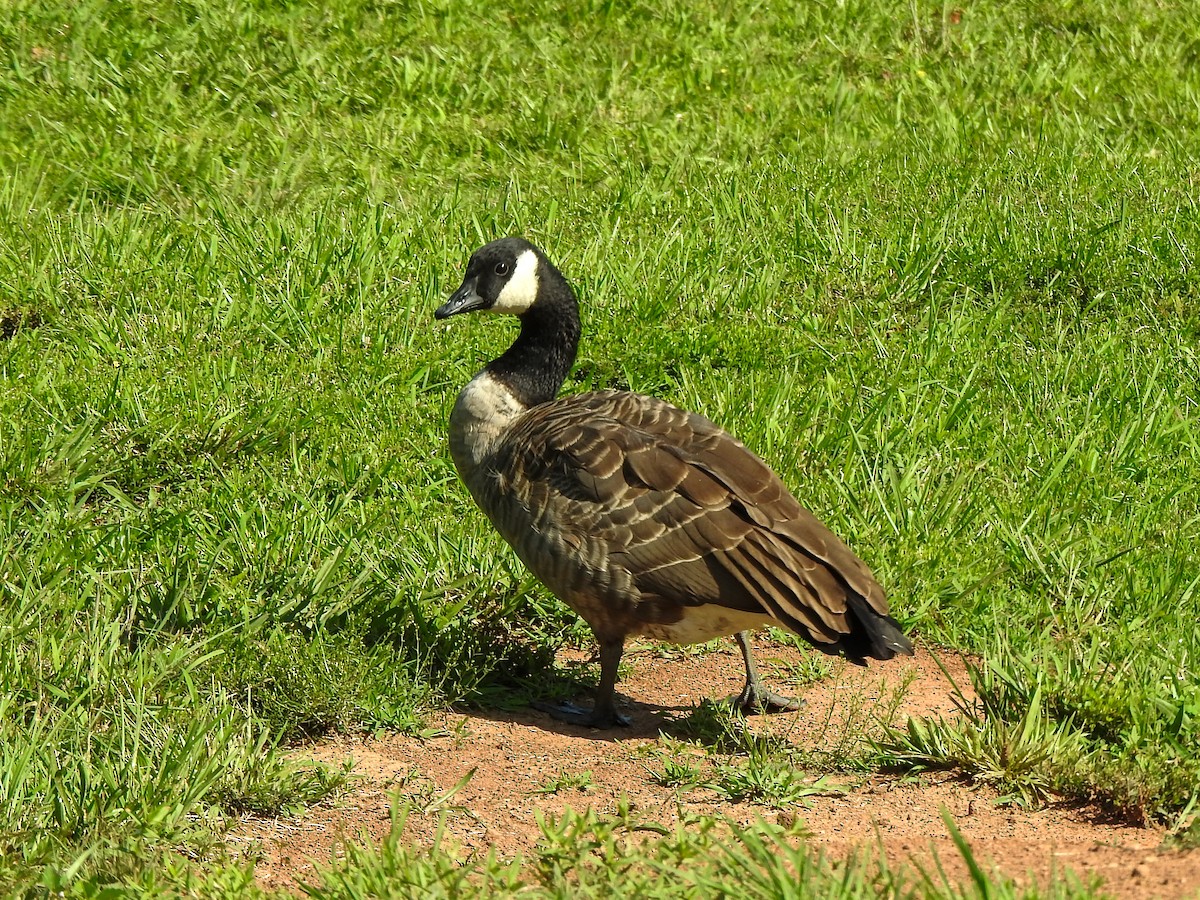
537	364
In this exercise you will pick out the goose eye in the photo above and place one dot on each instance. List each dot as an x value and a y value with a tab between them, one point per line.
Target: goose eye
501	268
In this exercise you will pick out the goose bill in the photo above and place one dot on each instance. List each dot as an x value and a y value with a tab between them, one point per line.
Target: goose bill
465	299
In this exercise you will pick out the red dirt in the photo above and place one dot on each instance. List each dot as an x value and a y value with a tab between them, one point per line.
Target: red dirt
517	754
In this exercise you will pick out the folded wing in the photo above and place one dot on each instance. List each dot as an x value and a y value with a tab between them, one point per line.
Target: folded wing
665	508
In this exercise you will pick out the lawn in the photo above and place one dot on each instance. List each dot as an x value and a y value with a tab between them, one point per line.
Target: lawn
937	264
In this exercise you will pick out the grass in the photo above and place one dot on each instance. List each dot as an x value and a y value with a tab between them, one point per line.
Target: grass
567	781
938	265
588	855
714	748
1024	734
1020	752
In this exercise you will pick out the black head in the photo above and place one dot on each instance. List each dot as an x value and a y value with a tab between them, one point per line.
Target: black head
513	276
501	277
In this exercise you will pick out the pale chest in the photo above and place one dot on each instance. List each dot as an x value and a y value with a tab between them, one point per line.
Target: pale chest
482	414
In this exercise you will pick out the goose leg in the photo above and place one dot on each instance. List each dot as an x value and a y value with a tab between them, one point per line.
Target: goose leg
604	713
755	696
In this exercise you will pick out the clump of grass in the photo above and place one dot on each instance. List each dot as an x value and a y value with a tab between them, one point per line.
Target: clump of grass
393	868
1017	735
567	781
419	793
716	725
770	780
304	688
1018	756
812	668
676	773
1186	833
760	768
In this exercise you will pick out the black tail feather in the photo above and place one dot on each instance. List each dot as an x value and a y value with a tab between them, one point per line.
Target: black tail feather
876	637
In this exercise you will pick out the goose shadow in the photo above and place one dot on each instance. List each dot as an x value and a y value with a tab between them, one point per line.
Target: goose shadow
510	702
647	721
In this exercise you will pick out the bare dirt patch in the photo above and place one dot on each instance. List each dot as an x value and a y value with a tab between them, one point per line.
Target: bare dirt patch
524	763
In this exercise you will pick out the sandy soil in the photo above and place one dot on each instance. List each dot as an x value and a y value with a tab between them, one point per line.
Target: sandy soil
518	755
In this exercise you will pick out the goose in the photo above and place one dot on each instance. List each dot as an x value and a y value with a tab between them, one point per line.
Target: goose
645	519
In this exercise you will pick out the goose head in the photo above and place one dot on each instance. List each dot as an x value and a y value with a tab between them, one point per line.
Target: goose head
512	276
502	277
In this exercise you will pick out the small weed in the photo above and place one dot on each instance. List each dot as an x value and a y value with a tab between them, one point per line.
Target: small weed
676	773
812	668
761	767
846	737
421	794
565	781
769	780
715	725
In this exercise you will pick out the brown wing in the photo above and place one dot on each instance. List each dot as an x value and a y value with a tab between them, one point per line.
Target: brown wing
667	508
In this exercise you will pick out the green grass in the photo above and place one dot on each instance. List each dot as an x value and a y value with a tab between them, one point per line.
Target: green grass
937	265
587	855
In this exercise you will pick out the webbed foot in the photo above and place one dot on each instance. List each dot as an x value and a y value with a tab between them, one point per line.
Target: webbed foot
756	698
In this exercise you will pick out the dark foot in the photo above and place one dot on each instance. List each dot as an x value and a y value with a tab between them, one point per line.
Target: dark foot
577	715
755	698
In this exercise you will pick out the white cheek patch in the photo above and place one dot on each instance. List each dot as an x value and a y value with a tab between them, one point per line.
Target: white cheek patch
521	291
